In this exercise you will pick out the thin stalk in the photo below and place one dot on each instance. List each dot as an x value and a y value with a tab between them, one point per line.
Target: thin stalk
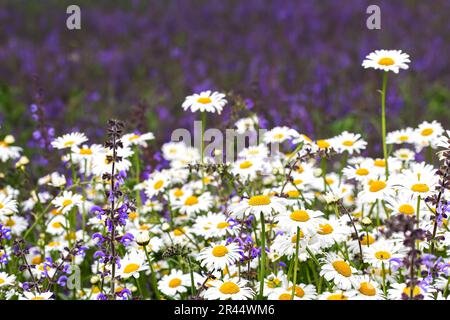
383	122
153	277
294	280
263	256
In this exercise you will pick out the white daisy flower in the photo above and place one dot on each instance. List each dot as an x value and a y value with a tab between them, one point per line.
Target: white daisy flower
400	136
229	289
8	206
7	151
246	124
258	204
137	139
6	279
69	140
219	256
132	264
67	201
387	60
36	296
337	269
205	101
350	142
280	134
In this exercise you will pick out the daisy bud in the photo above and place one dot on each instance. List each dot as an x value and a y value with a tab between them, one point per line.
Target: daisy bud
94	279
9	139
22	162
165	226
317	172
366	221
142	238
134	289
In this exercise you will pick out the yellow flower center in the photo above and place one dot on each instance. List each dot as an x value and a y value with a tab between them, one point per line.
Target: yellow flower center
259	201
362	172
38	298
36	260
294	237
134	137
329	181
342	268
56	225
2	281
190	201
406	209
219	251
178	232
204	100
229	288
175	282
367	289
386	61
132	215
337	296
416	291
178	193
299	292
66	203
299	215
86	151
323	144
298	181
379	163
426	132
382	255
367	240
348	143
130	268
300	169
403	138
376	185
293	193
3	144
245	165
273	283
158	184
420	187
2	205
10	222
69	143
222	225
278	136
325	229
285	296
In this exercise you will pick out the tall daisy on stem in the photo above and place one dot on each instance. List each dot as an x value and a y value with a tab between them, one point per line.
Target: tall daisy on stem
205	101
386	60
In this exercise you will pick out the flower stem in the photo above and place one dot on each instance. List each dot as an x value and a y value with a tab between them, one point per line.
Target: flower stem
294	280
153	277
263	257
383	123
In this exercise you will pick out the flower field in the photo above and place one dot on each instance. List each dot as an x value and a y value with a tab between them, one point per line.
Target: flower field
108	205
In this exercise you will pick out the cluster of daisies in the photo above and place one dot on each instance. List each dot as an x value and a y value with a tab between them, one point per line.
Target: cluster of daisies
310	220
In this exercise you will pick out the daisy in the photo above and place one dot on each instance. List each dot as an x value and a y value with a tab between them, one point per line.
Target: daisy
191	204
301	292
400	136
404	154
247	168
247	124
428	134
229	289
280	134
213	225
274	282
67	201
329	232
286	245
260	151
337	295
69	140
205	101
387	60
366	289
381	253
359	172
338	270
7	151
102	162
6	280
420	180
404	203
137	139
399	291
36	296
350	142
16	224
174	283
306	220
219	256
8	206
256	205
173	150
131	265
376	189
156	184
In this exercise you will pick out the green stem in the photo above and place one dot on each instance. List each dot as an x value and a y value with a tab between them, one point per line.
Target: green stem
202	150
153	277
294	280
383	122
263	256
